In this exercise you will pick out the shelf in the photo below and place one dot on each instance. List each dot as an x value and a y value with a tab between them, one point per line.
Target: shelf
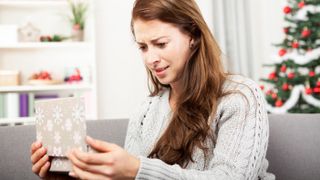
33	3
13	121
30	88
56	57
38	45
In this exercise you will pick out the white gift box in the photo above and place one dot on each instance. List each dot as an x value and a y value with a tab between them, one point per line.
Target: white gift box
8	33
9	78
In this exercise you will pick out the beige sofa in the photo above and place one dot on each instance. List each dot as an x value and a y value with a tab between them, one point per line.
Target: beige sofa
293	154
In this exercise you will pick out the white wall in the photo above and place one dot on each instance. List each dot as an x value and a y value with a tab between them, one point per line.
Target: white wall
121	74
122	79
267	27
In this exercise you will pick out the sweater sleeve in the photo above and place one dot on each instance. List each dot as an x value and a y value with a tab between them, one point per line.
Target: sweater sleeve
240	148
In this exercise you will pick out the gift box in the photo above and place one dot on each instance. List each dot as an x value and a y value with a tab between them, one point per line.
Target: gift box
9	78
60	126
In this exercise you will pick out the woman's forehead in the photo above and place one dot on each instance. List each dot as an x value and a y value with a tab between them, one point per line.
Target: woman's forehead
152	29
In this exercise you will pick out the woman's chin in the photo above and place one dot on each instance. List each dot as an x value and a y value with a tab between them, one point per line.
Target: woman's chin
163	81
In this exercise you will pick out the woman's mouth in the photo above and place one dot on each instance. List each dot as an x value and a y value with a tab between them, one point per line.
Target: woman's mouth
160	72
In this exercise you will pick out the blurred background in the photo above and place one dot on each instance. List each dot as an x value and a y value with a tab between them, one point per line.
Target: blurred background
61	48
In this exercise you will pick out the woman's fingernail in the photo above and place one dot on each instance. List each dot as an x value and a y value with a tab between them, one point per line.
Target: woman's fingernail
38	144
47	164
71	173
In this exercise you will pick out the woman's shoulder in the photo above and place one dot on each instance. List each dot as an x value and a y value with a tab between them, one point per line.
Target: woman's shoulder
241	91
239	83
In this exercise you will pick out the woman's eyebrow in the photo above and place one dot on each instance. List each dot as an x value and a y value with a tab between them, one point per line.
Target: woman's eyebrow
152	40
157	39
140	43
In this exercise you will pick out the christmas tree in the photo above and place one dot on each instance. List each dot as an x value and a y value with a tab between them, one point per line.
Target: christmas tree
294	84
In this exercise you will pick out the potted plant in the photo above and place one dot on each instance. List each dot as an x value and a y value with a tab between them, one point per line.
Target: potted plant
78	10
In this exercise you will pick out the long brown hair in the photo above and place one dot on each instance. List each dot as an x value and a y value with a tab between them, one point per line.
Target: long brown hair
202	80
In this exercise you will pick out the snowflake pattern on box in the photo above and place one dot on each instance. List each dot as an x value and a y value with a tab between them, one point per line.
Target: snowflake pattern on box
60	125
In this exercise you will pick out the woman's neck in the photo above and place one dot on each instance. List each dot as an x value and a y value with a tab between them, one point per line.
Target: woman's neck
173	98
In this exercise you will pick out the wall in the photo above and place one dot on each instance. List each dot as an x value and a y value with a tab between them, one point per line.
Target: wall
267	28
121	74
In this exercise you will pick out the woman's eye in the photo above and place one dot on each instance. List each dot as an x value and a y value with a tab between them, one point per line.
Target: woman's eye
161	45
142	48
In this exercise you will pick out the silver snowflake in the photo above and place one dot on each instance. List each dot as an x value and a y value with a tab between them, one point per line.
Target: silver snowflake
39	115
68	125
49	125
76	137
57	162
78	113
57	114
57	151
39	136
57	137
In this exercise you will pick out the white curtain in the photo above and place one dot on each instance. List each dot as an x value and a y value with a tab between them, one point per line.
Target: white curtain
232	29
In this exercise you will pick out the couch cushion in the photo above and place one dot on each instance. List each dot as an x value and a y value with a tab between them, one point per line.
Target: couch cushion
16	140
294	146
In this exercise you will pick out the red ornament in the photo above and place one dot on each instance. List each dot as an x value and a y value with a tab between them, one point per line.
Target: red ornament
318	83
308	90
274	95
287	10
316	89
286	30
301	4
285	87
295	44
279	103
291	75
283	68
282	52
312	74
261	87
269	92
305	32
272	75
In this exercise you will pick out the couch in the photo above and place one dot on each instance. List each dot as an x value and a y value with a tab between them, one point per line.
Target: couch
293	153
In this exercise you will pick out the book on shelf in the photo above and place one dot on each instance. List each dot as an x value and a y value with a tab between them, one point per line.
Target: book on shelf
24	110
2	110
19	105
31	104
14	105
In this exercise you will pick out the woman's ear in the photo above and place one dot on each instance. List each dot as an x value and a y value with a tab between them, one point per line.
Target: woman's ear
191	43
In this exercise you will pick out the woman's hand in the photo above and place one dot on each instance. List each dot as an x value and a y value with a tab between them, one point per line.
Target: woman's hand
39	159
110	162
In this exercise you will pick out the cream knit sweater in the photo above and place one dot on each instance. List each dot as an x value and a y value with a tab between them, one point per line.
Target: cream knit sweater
241	123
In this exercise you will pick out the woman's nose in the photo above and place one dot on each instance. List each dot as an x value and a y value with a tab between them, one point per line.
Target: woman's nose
152	57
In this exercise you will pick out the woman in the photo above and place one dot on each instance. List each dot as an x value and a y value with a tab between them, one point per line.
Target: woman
197	123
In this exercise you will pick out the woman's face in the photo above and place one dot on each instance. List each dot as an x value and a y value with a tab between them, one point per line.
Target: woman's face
164	48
